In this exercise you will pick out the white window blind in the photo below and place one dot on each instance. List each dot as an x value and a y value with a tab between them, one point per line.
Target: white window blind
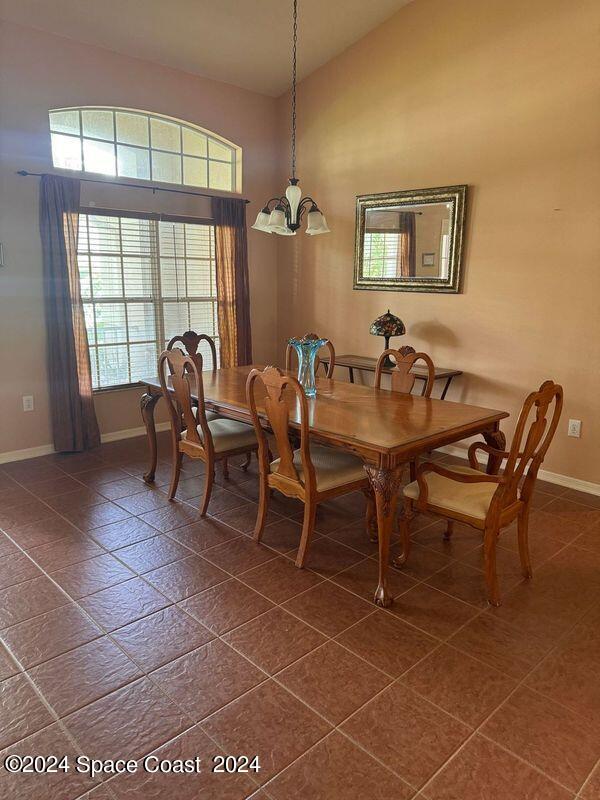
134	144
143	281
380	255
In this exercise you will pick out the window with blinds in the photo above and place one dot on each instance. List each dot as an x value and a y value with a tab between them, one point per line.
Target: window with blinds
143	281
381	255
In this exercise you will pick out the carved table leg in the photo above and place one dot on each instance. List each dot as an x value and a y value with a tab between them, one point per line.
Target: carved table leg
148	402
496	439
385	483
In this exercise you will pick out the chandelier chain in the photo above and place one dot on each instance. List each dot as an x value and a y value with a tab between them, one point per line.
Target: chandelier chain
295	41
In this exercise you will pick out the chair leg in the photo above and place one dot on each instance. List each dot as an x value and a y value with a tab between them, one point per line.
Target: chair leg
523	536
177	459
371	515
449	530
225	468
308	526
404	528
263	507
209	479
490	537
413	470
247	460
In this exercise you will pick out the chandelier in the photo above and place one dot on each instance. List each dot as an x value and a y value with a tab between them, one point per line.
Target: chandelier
282	215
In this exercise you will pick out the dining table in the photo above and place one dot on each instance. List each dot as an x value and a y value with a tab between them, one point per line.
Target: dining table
386	429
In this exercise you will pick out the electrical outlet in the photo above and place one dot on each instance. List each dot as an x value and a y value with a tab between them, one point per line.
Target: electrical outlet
27	402
574	428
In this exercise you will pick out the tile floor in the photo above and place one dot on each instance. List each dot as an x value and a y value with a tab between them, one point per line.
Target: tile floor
130	627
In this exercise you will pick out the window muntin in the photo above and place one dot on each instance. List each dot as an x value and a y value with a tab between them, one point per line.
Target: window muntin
126	143
142	282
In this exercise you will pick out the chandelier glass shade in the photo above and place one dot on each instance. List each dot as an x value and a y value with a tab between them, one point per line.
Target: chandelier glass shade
283	215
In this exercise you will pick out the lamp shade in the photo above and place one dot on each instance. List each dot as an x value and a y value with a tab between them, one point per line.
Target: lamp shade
277	220
262	221
316	222
387	325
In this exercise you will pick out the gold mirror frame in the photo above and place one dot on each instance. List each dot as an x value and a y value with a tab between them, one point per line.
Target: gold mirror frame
456	197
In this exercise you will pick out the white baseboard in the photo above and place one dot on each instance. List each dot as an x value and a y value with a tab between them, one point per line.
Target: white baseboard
48	449
543	474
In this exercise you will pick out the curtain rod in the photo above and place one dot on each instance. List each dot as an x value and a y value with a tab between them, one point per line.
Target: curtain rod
25	173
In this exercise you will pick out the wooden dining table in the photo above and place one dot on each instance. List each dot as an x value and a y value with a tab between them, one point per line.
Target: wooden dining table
385	429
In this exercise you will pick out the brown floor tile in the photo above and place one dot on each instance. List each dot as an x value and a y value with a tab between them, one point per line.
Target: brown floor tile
95	478
184	578
483	770
175	515
463	541
248	491
126	602
32	470
189	488
432	611
72	463
274	640
541	546
8	668
405	732
77	498
221	500
242	517
206	784
279	579
208	678
226	606
133	721
50	741
463	687
362	579
199	536
14	496
90	517
21	710
26	600
123	534
92	575
561	527
329	518
50	635
161	637
143	501
16	568
286	506
81	676
423	562
500	645
578	564
329	608
573	513
65	552
151	554
127	486
467	583
356	537
267	721
590	539
591	790
44	532
542	732
387	642
328	557
239	555
17	516
333	681
337	770
587	499
6	546
284	536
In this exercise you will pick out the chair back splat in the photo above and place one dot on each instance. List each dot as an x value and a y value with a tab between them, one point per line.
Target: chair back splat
402	379
191	341
185	375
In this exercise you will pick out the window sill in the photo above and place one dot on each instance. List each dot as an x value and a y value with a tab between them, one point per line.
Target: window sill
120	388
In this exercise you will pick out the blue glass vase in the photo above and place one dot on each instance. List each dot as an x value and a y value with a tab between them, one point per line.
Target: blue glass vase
307	349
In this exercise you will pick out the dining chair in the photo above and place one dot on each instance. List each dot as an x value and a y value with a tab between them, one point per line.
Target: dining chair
191	341
402	379
312	473
489	502
328	370
192	432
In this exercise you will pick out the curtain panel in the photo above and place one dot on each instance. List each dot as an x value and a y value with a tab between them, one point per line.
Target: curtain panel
233	294
74	424
407	250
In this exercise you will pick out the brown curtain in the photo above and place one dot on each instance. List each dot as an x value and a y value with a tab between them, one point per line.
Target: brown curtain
74	424
233	295
407	251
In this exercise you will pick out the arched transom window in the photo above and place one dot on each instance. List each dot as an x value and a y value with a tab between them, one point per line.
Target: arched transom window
125	143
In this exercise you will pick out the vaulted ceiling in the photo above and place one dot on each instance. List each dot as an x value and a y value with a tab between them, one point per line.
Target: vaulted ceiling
243	42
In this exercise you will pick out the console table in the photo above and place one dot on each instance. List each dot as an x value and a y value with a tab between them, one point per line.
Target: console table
368	364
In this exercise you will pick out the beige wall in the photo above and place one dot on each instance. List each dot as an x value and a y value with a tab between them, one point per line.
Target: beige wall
39	71
501	95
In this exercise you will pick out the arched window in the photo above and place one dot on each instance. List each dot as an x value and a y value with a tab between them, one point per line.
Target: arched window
126	143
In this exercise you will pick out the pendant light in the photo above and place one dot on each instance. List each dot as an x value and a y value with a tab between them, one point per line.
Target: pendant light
282	215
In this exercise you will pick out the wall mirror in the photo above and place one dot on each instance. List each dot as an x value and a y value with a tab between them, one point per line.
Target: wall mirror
410	241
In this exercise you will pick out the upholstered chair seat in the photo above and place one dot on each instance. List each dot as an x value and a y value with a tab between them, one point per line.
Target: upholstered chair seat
471	499
332	467
210	415
228	434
